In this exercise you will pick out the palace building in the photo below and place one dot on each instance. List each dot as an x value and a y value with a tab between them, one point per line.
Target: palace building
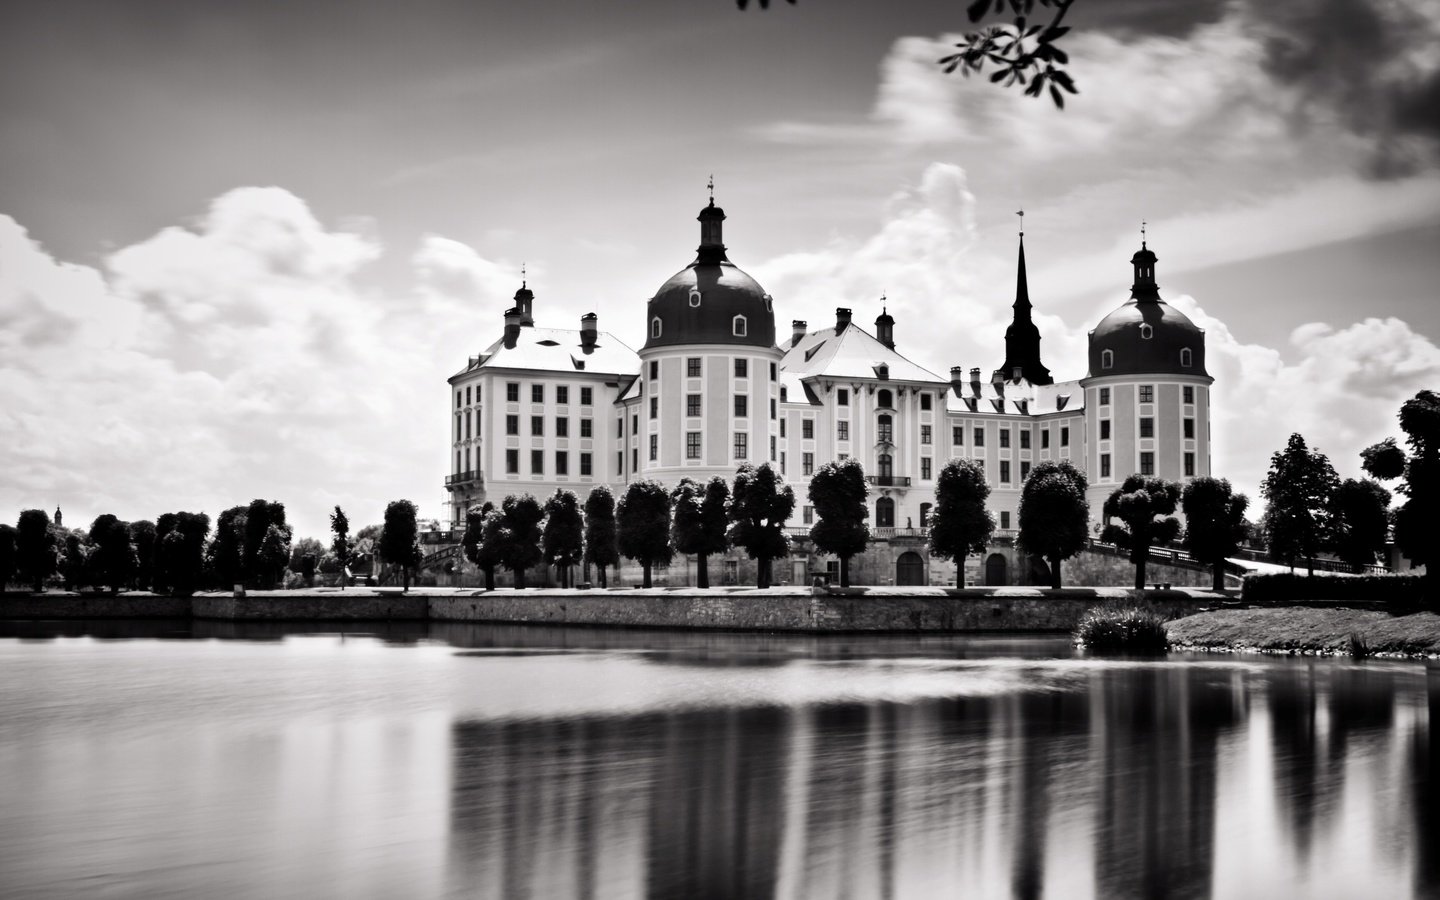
713	386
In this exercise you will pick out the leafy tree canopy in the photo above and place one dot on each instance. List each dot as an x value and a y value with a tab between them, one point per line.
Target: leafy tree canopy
1360	521
838	492
1054	514
1297	492
563	539
960	524
643	515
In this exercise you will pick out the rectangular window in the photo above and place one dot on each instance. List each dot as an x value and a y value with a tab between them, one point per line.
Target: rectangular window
457	399
926	434
884	430
742	405
537	462
512	424
537	393
1045	439
1004	437
692	404
808	515
1147	426
635	424
772	407
619	462
807	464
1005	519
1024	470
512	462
844	456
842	431
925	401
620	427
1190	428
957	435
925	467
1189	393
807	429
635	459
1024	439
586	466
772	448
1147	463
512	391
1005	471
587	396
772	371
782	428
537	425
654	447
467	425
562	427
1065	435
742	368
692	366
742	445
1104	465
562	394
980	437
842	397
1104	429
587	428
654	407
692	445
1147	393
1189	465
782	462
654	368
562	462
1105	396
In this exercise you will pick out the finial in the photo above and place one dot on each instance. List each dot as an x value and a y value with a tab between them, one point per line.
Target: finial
1021	214
884	310
711	186
522	275
1142	234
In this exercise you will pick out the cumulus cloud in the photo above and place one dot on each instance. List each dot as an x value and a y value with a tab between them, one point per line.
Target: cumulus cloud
243	356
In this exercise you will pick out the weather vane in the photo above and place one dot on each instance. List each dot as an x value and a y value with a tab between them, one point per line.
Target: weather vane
522	275
711	185
1142	233
1021	214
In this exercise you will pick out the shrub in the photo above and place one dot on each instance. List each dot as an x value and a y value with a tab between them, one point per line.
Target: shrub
1123	629
1283	587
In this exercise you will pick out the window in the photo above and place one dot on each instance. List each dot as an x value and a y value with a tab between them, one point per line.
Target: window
842	397
1186	358
1189	465
1190	428
457	398
620	427
1024	470
925	401
1104	429
654	447
886	430
885	513
957	435
1104	465
1147	393
1146	332
737	327
742	368
587	428
537	393
692	404
772	448
773	408
467	425
635	459
886	463
980	437
1065	435
842	431
619	461
654	407
742	405
654	368
1105	396
694	298
1188	394
926	434
1045	439
807	429
562	427
886	400
562	394
742	445
843	456
925	514
692	366
587	466
807	464
925	467
512	424
1005	519
782	428
1024	439
1005	471
635	423
562	462
537	462
808	515
1147	426
512	462
1147	463
512	392
782	462
1004	437
587	396
537	425
692	445
655	327
1107	359
772	371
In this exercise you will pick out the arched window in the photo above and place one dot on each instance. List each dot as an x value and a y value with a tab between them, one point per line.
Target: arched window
1186	358
925	515
886	464
885	433
695	297
738	326
1107	359
885	512
655	327
1146	331
886	401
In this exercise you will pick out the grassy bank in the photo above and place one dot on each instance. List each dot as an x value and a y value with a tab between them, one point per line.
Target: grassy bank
1307	630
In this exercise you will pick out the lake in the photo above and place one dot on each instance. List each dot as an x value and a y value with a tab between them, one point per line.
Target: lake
193	759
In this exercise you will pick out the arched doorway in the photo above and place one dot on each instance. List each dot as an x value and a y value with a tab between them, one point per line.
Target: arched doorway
885	513
909	569
995	569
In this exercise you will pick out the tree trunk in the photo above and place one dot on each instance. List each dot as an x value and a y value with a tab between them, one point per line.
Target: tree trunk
844	571
1139	572
600	577
1310	566
1055	573
702	571
519	578
1220	575
960	570
405	579
762	573
489	578
646	568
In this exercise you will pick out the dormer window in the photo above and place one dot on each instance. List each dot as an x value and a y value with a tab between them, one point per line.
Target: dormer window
1186	357
768	302
1107	358
694	297
738	326
655	327
1146	332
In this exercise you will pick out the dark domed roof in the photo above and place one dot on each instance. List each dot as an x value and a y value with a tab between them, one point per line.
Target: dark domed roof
702	302
1147	336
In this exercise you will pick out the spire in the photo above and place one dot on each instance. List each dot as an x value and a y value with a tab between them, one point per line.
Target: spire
1022	284
1022	338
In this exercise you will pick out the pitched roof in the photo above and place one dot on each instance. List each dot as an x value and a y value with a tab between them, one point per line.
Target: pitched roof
557	350
853	353
1015	398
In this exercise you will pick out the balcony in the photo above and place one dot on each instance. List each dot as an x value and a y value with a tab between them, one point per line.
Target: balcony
889	480
460	479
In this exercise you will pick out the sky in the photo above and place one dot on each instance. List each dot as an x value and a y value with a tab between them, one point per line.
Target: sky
242	245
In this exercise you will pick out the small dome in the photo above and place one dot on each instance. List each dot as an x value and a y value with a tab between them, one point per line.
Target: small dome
1123	334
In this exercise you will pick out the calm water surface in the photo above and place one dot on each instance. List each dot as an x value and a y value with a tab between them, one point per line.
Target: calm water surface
157	760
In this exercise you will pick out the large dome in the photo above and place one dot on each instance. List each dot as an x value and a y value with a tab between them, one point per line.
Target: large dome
1147	336
710	301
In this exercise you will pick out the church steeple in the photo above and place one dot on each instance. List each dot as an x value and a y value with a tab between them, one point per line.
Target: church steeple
1022	285
1022	338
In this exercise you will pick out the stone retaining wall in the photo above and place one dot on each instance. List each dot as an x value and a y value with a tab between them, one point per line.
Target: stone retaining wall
93	606
298	606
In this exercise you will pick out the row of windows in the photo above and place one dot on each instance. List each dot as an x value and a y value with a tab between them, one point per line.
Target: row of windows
1147	428
1107	357
1147	394
466	395
537	426
694	368
739	326
1147	464
537	394
537	462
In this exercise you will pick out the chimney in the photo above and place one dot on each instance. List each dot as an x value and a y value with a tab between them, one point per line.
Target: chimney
957	379
842	319
797	331
512	327
589	330
975	375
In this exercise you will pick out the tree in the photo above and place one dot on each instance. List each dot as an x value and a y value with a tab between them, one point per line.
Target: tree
481	541
34	548
519	535
180	552
1417	532
1144	505
340	544
563	541
699	526
760	505
1215	524
400	539
1054	514
601	542
303	549
273	556
1297	492
142	535
1359	521
227	560
960	524
8	558
75	561
644	525
259	516
113	560
838	492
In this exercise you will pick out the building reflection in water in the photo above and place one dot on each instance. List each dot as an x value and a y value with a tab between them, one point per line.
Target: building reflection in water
1128	785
